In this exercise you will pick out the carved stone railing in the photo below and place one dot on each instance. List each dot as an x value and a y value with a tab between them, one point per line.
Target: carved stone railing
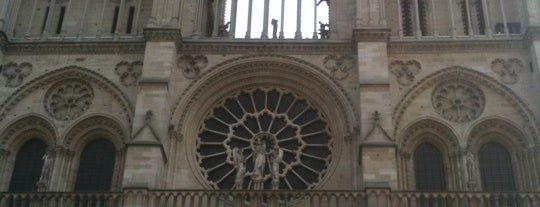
269	198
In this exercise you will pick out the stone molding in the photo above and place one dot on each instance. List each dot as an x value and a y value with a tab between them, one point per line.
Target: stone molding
80	133
123	47
455	46
507	133
371	35
163	35
302	47
29	122
413	134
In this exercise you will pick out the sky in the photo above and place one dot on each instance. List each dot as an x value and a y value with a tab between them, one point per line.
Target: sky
275	13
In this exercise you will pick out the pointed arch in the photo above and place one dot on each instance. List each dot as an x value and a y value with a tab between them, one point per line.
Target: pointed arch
28	127
474	76
65	73
497	129
95	127
428	130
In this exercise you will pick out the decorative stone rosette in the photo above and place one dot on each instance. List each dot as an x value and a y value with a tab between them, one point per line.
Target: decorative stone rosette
15	73
508	70
405	71
458	100
279	119
339	66
68	99
192	65
129	73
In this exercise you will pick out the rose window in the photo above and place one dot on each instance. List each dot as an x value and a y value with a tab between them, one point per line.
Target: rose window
458	100
68	99
258	122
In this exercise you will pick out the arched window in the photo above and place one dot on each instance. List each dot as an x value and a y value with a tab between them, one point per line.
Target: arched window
496	168
96	166
429	168
28	164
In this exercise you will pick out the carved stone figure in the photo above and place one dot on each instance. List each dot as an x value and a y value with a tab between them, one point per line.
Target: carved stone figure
129	73
223	30
47	168
458	100
191	66
471	166
339	66
405	71
509	70
240	165
274	28
276	157
325	33
259	151
68	99
15	73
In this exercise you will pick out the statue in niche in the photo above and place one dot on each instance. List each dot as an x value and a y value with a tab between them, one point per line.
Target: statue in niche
259	151
274	28
276	157
327	2
240	165
471	169
47	168
223	30
325	33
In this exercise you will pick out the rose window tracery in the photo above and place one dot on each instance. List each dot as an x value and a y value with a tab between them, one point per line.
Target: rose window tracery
458	100
272	119
68	99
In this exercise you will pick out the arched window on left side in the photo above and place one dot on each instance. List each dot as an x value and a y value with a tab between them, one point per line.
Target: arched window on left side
28	166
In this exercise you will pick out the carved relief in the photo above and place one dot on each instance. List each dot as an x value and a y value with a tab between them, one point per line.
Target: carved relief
339	66
15	73
129	73
191	66
68	99
458	100
507	70
405	71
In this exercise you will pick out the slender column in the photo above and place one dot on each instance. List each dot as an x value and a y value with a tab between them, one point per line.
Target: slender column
506	32
102	15
3	13
400	21
48	22
264	34
234	8
534	164
434	19
417	20
119	19
135	30
216	17
315	19
281	33
487	20
250	10
453	22
469	22
180	13
298	34
32	15
83	20
197	27
4	155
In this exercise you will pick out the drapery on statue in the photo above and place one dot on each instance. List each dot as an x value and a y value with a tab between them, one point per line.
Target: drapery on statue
276	157
471	167
47	168
240	165
323	31
260	159
274	28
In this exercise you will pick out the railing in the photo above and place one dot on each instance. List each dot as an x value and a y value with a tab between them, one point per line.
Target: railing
269	198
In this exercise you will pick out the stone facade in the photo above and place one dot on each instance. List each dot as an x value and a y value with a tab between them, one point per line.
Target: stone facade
151	92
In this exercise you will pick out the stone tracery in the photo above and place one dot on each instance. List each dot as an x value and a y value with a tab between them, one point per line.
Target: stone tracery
458	100
68	99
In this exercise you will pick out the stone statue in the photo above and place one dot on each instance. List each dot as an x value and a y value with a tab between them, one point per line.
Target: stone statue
277	157
471	167
240	165
323	31
260	159
47	168
274	28
223	30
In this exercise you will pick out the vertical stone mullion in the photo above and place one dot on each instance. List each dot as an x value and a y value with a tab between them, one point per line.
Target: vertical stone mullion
4	156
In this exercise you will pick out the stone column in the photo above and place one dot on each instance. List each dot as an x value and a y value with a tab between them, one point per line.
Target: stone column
63	175
145	156
4	156
533	37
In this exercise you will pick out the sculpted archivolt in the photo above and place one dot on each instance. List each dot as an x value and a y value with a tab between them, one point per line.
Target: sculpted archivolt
339	66
405	71
15	73
508	70
458	100
191	65
68	99
129	73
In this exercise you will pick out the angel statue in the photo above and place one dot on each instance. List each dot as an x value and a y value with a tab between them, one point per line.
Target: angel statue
277	157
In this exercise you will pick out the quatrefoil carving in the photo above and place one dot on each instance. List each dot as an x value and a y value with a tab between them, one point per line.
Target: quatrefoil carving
191	65
339	66
129	73
508	70
405	72
16	73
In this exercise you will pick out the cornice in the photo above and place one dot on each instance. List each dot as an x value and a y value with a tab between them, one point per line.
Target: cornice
132	47
371	35
288	47
163	35
456	46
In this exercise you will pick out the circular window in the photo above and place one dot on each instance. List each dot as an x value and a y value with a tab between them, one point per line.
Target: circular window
458	100
256	124
68	99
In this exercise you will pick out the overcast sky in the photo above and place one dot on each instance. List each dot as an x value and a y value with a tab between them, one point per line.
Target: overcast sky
275	13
